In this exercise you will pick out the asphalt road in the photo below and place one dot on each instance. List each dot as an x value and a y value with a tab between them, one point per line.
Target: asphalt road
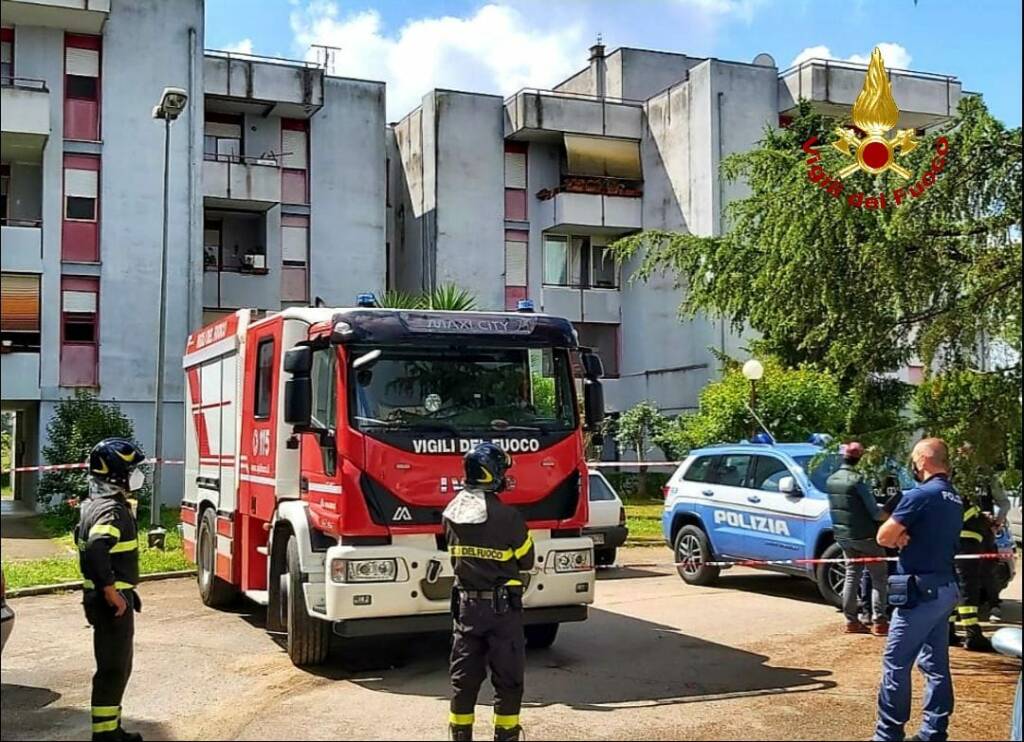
758	657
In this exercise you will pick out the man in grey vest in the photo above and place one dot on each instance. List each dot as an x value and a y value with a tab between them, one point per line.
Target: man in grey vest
855	519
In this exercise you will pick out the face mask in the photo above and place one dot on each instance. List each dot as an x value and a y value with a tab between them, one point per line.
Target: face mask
135	480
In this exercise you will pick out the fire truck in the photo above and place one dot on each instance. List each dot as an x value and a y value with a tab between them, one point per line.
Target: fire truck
322	446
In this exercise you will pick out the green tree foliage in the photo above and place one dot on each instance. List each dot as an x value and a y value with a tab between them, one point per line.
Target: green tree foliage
446	297
792	403
636	430
854	290
79	423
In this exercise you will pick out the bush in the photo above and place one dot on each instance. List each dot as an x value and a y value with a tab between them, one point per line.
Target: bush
793	403
78	424
627	483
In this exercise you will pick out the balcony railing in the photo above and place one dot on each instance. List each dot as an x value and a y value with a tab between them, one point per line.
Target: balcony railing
594	185
25	83
269	159
840	64
263	59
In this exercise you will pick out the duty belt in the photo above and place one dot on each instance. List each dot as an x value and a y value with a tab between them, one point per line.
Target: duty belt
477	594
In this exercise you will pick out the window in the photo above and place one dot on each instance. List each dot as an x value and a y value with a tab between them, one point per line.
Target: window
264	378
556	252
768	472
324	388
5	187
700	470
604	339
294	243
516	250
80	191
19	312
515	181
82	87
733	469
212	229
79	350
222	137
294	162
6	53
579	261
599	490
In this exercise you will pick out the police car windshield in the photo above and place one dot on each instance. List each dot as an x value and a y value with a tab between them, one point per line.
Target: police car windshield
445	390
819	468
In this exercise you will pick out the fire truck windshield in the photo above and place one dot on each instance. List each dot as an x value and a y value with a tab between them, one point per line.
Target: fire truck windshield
463	390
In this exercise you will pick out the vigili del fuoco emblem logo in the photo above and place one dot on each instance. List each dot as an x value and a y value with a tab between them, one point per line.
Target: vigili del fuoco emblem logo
874	152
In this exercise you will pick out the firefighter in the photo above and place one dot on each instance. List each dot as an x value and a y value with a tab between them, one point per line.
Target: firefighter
975	538
107	539
490	546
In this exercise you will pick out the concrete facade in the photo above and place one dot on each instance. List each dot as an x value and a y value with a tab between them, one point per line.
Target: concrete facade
336	200
287	186
669	119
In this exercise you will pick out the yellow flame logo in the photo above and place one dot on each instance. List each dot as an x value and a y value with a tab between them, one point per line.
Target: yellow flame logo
875	113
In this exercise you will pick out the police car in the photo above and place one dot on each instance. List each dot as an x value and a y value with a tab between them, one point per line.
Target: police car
755	501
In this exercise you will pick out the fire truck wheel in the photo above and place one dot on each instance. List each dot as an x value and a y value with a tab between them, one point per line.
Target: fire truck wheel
541	635
213	591
309	638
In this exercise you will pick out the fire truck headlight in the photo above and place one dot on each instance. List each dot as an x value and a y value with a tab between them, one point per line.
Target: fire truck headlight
580	560
364	570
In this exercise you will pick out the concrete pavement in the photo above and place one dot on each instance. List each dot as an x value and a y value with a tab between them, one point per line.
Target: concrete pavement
757	658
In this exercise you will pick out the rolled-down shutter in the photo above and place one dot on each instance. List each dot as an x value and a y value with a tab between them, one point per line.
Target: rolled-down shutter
19	303
603	157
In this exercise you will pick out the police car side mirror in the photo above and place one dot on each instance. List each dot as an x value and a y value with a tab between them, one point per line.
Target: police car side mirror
788	486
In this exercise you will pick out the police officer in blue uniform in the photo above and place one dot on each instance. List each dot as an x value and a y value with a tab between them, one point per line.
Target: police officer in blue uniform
107	539
925	526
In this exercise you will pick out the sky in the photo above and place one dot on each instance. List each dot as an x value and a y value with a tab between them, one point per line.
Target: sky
504	45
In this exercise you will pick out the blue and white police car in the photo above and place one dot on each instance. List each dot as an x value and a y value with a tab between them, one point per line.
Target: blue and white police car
755	501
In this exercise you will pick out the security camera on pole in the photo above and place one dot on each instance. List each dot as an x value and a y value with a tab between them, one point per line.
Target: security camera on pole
172	103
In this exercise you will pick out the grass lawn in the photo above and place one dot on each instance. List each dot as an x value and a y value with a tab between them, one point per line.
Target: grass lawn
643	517
32	572
6	493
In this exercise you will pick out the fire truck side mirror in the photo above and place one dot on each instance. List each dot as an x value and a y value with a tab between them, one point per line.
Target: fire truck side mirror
298	390
593	403
593	368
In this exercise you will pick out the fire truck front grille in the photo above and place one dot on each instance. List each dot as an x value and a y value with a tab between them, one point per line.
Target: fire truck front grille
442	589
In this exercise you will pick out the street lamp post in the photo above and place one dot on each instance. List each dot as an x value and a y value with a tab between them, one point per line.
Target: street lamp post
172	103
753	371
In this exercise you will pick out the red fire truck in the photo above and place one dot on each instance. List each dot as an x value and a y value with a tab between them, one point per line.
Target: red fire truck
322	446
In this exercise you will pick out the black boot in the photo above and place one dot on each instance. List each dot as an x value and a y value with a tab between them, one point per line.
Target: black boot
460	732
954	638
510	734
976	640
117	735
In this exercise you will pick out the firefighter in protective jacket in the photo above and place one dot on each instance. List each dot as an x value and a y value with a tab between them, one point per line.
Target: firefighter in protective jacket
107	539
490	547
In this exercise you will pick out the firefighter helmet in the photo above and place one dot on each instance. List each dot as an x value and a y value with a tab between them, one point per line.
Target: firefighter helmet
113	460
485	468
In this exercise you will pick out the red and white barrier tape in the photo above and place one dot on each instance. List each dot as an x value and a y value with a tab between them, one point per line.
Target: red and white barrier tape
805	562
630	464
62	467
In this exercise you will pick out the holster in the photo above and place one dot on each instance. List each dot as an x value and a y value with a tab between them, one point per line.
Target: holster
502	601
909	591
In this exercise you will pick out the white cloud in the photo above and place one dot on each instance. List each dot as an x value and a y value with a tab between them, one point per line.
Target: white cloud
894	55
743	9
239	47
494	50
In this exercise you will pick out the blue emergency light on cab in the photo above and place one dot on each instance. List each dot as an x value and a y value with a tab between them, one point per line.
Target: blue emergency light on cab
366	300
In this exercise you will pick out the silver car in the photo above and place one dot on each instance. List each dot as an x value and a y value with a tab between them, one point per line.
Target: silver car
1013	517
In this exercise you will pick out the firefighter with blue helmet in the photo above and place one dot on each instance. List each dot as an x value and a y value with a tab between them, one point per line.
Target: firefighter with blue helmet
490	546
108	547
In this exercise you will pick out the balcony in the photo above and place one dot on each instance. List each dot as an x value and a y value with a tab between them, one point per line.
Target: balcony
23	246
246	183
264	85
26	119
547	115
611	206
79	16
19	375
924	99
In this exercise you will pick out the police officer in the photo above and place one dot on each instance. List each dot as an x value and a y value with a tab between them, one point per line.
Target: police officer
107	538
489	545
855	518
925	526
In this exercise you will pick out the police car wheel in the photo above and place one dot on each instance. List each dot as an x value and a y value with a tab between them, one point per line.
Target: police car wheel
830	577
692	554
309	638
213	591
605	557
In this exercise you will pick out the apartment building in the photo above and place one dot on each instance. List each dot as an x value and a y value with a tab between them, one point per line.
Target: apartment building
519	197
276	197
